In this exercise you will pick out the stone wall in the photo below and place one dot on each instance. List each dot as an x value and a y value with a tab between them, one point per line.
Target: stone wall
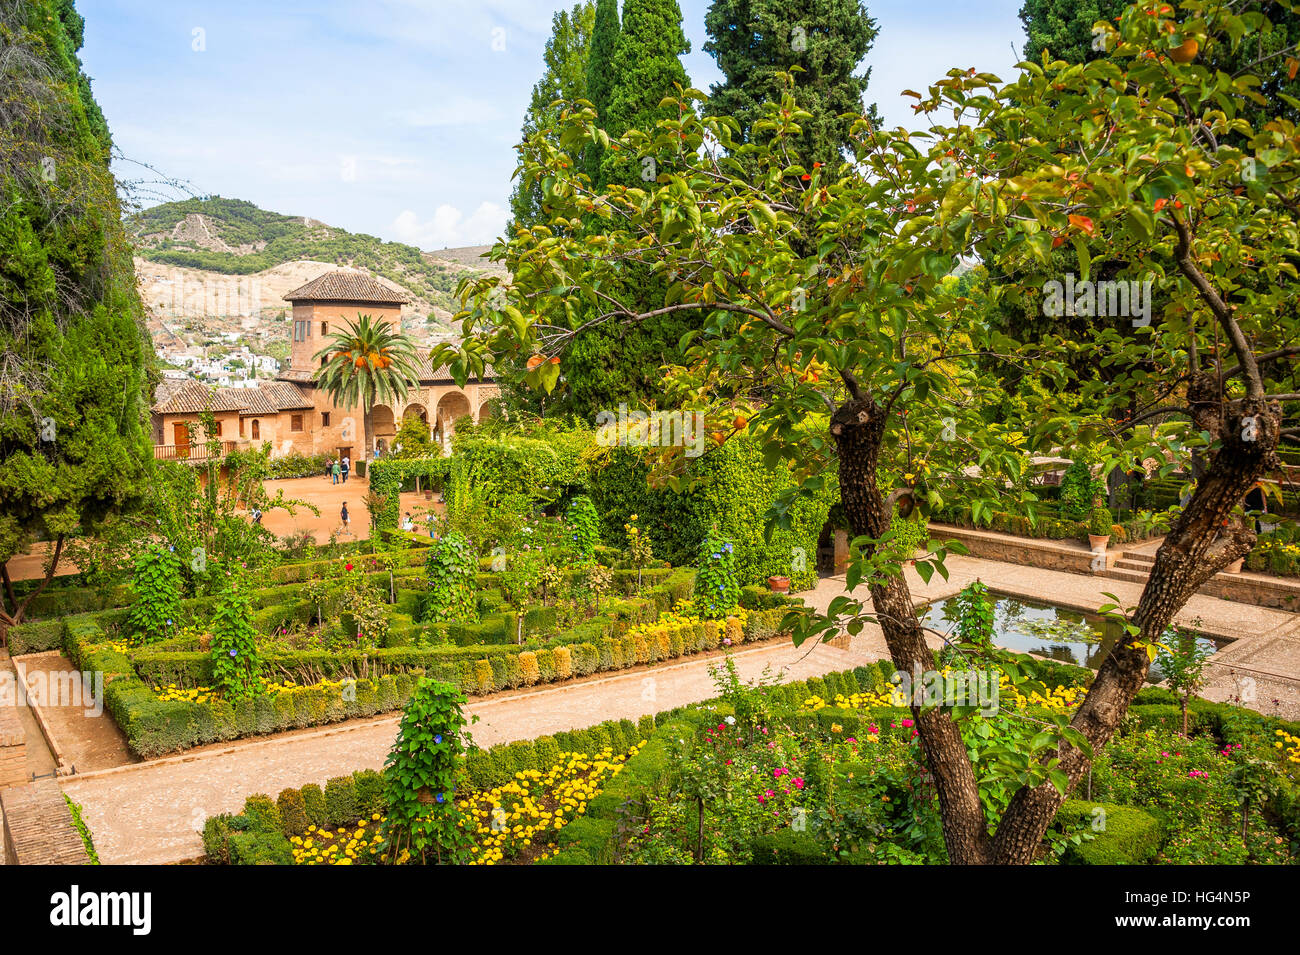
13	748
38	827
1071	556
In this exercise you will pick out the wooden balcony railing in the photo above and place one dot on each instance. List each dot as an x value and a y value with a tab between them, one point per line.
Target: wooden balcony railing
194	453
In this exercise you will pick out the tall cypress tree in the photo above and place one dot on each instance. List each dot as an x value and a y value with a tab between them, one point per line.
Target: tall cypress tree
1064	29
73	394
600	72
754	40
645	67
564	78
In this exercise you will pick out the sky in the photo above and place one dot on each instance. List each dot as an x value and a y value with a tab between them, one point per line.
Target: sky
398	118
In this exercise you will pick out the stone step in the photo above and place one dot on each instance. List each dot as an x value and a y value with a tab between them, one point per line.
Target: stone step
1127	563
1119	573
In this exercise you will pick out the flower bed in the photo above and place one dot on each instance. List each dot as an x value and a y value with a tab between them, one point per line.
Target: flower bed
814	782
163	703
1277	553
518	797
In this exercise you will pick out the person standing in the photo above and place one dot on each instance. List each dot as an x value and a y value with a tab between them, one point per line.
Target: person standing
336	470
347	466
343	516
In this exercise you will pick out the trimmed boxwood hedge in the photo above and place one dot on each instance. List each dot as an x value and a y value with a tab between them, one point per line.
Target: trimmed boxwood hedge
1131	836
154	727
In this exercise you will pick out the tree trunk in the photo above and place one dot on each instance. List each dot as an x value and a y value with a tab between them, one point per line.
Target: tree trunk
699	836
858	428
368	439
13	618
1202	542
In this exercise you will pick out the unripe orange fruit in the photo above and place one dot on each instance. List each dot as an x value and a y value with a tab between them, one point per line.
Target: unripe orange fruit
1185	52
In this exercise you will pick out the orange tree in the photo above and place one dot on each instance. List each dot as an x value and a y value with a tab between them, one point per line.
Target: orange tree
834	331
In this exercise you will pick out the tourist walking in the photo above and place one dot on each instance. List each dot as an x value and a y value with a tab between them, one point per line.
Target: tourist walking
343	516
408	525
347	466
336	471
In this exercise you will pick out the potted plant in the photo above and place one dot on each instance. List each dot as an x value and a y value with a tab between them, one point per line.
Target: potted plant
1235	566
1099	524
778	585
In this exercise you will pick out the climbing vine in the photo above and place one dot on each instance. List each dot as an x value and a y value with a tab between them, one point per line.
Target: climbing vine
585	525
974	612
156	584
236	666
423	822
450	569
717	592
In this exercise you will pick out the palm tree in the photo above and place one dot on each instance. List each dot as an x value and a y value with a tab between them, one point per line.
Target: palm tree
367	363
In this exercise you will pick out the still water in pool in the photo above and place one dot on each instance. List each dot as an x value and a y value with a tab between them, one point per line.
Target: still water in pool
1047	631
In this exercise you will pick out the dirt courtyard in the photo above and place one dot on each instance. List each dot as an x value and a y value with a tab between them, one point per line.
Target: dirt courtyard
329	498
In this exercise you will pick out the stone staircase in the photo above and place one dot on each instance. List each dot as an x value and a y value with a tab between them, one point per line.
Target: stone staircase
1262	590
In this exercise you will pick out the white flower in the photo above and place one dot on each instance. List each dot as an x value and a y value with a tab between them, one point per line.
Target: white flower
730	721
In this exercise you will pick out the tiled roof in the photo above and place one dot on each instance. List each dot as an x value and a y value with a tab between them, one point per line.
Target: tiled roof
195	397
283	395
266	399
258	402
345	286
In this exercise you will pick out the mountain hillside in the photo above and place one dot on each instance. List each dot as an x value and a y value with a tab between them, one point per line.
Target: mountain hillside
233	238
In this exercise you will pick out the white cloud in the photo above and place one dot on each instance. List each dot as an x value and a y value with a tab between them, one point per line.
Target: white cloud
449	227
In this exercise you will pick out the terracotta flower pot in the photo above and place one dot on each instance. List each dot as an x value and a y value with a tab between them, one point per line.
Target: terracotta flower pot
1098	542
428	495
1235	566
778	585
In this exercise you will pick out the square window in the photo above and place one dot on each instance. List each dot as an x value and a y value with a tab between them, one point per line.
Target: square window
295	422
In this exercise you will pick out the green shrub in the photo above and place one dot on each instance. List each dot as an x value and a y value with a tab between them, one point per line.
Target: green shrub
370	792
260	848
788	847
262	813
1130	836
313	801
293	812
341	800
216	838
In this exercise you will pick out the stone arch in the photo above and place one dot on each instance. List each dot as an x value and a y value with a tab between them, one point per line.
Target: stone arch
384	425
416	409
452	406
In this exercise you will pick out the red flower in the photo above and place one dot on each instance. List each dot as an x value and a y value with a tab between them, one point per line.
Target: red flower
347	567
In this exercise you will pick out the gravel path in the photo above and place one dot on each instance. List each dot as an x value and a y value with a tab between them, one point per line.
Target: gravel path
152	813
